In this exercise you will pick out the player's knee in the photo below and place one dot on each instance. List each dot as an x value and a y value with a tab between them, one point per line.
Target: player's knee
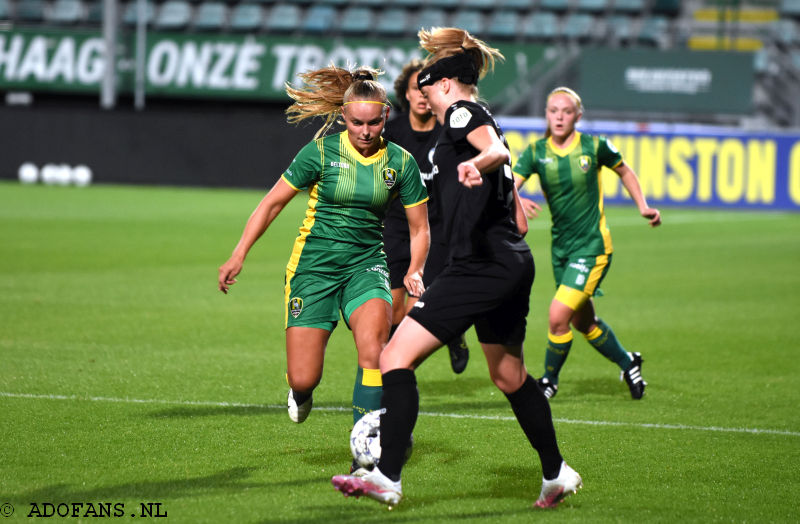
303	382
508	381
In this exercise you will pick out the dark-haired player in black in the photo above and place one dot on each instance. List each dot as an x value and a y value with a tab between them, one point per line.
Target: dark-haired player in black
416	130
486	283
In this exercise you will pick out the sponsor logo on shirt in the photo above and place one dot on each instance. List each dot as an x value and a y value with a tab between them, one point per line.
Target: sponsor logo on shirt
296	306
389	177
585	162
343	165
460	118
611	146
419	304
546	160
289	172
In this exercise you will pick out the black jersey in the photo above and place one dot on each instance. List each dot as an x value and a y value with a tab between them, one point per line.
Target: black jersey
477	222
420	144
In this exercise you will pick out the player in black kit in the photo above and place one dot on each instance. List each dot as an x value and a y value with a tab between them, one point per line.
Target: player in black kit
486	283
416	130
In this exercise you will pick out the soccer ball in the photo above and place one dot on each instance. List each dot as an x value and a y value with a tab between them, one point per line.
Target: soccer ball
365	439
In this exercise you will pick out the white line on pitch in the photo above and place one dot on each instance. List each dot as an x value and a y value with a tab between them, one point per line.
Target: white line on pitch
756	431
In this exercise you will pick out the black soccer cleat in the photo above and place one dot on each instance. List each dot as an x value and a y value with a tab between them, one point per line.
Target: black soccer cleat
459	354
633	376
548	388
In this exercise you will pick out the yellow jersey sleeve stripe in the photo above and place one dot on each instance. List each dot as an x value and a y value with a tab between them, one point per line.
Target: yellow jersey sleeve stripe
416	203
290	184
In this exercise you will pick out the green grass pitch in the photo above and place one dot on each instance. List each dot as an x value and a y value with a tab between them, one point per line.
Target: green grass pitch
127	378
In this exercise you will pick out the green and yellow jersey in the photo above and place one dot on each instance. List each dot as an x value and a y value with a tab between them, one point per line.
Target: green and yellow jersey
572	184
348	198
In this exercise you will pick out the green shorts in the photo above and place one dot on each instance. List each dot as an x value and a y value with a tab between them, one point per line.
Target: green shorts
318	299
579	277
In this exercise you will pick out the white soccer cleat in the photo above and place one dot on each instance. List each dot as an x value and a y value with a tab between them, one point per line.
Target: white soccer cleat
299	413
554	491
374	485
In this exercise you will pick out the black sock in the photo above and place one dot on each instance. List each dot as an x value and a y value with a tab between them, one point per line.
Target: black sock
533	414
401	401
299	398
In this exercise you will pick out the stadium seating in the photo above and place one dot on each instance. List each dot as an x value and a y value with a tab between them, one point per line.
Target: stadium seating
393	22
790	8
592	6
472	21
65	12
630	7
786	33
246	17
356	20
540	26
30	10
407	4
481	5
94	12
578	26
559	6
503	25
517	5
131	13
619	28
654	31
173	15
319	19
284	18
210	16
431	17
649	23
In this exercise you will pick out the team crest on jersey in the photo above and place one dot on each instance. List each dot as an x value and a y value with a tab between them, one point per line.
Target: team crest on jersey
389	177
585	162
295	306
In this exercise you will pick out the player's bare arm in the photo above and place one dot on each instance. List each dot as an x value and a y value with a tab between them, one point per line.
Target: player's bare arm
492	155
420	235
266	211
530	207
631	183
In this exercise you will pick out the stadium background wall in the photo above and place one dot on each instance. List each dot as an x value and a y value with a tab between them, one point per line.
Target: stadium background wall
169	144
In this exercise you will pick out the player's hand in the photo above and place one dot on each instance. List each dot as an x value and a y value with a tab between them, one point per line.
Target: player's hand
469	175
413	283
227	274
530	207
653	216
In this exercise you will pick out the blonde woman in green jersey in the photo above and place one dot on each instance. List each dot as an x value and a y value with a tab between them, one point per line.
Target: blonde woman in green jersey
568	163
337	265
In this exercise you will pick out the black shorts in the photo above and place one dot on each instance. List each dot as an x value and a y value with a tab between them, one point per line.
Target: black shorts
398	258
435	263
493	295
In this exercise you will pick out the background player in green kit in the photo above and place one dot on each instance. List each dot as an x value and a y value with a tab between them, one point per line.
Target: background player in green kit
337	265
568	163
